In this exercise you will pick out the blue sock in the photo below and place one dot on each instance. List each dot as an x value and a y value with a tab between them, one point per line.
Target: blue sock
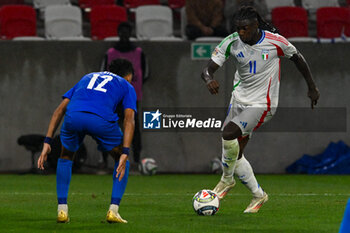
345	225
63	176
119	186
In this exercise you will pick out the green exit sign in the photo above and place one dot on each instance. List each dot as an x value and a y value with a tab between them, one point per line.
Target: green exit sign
201	50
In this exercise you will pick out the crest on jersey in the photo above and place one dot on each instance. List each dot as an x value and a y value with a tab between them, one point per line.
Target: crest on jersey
265	54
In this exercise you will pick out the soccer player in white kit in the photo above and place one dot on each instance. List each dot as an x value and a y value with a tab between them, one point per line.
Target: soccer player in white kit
256	50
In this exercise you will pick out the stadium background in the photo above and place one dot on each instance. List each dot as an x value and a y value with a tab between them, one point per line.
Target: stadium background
35	74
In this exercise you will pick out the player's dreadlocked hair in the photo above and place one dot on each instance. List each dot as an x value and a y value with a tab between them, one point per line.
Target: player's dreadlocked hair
248	12
121	67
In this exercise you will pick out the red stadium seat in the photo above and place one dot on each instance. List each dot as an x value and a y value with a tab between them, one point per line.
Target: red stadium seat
174	4
91	3
135	3
332	22
105	20
291	21
17	20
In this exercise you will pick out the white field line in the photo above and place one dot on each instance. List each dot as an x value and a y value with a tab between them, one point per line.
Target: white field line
172	194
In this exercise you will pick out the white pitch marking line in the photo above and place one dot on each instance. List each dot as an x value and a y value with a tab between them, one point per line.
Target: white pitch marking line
179	194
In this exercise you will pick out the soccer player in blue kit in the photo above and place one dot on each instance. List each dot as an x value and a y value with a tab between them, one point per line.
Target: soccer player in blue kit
89	109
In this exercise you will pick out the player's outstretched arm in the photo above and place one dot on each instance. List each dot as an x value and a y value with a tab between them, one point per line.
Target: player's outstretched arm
208	77
55	121
303	67
129	125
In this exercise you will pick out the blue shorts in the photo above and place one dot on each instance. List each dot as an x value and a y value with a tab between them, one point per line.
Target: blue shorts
78	124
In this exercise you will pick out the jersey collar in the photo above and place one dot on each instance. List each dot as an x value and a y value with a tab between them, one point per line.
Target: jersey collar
262	37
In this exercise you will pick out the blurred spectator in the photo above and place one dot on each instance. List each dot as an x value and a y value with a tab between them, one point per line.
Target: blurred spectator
205	18
231	6
124	48
343	3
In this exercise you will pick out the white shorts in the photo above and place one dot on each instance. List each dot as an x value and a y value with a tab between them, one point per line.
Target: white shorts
248	117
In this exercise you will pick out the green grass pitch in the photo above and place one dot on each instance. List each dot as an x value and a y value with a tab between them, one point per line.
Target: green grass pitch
163	203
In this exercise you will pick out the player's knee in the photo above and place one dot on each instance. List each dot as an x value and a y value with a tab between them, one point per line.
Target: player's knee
231	131
66	154
227	135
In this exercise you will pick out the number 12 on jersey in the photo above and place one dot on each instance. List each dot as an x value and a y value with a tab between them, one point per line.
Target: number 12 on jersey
252	67
107	78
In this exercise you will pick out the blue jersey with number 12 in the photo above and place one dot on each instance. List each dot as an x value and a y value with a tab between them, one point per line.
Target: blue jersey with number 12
100	93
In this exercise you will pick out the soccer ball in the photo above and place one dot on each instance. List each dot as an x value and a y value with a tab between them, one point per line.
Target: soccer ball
148	166
205	202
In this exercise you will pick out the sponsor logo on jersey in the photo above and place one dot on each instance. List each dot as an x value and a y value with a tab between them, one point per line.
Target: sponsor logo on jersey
151	120
240	54
244	124
265	54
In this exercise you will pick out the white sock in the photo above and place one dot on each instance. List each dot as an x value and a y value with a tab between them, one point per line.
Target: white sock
63	207
114	208
230	151
245	173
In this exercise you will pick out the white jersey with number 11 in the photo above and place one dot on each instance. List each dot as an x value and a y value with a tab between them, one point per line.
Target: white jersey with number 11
257	78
